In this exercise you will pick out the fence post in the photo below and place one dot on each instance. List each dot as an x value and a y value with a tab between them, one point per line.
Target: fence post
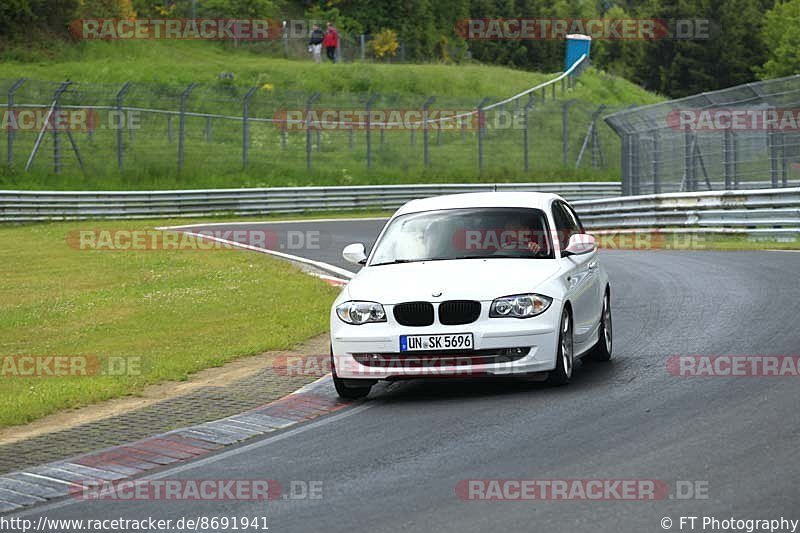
525	132
182	124
656	163
636	167
43	131
481	128
56	138
12	132
246	124
773	157
565	129
120	95
363	47
735	140
784	176
90	127
626	171
370	101
425	108
727	163
308	128
688	160
56	142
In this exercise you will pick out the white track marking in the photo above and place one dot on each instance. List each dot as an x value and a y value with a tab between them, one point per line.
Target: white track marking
318	264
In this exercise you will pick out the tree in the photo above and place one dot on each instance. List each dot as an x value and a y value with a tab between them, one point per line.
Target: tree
239	8
781	36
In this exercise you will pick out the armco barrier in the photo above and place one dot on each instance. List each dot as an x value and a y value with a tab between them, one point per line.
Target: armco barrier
28	206
762	211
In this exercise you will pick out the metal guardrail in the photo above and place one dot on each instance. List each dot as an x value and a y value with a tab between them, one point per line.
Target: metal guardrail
29	206
763	211
769	211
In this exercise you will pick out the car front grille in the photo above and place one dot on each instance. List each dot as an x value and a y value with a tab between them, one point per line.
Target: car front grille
414	314
457	312
438	359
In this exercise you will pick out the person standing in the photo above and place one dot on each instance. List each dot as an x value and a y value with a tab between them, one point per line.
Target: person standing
315	43
331	42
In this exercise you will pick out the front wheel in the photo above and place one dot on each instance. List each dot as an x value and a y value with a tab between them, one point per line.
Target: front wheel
602	350
345	391
565	356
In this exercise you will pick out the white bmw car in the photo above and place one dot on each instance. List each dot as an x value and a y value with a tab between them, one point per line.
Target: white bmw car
468	285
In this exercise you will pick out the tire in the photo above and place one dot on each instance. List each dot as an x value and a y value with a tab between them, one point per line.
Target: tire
565	357
605	342
344	391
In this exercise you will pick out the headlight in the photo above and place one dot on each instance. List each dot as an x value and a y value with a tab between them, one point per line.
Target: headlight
361	312
519	306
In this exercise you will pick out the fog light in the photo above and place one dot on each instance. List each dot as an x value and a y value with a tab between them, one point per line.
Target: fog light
518	352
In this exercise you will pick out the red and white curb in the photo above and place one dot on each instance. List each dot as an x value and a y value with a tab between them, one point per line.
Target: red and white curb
58	479
61	478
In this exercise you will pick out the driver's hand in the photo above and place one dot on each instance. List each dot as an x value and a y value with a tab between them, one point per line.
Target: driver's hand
534	247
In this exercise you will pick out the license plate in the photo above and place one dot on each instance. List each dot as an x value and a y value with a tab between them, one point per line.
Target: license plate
453	341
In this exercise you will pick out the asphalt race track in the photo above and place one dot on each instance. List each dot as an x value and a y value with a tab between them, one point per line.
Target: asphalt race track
392	463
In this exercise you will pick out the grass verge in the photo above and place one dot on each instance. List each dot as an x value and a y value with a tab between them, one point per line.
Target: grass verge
175	312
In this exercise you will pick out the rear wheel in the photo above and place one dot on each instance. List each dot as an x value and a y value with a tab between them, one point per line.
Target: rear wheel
344	388
602	350
565	357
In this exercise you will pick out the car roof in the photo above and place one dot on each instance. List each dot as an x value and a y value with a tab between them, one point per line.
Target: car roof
535	200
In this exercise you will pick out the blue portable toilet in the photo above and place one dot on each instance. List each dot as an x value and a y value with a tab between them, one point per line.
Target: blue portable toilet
577	45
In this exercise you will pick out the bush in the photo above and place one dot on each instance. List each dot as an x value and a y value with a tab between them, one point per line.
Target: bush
385	44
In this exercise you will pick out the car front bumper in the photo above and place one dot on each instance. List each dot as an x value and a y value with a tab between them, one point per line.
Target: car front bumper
493	354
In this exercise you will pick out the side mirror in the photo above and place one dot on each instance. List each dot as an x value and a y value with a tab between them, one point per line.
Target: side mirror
580	243
355	253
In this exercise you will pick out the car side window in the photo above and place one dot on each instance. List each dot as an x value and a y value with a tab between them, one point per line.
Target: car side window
573	216
562	224
567	223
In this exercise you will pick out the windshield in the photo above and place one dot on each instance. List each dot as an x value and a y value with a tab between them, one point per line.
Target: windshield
474	233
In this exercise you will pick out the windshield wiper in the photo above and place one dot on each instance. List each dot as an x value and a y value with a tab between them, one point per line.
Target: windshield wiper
398	262
497	256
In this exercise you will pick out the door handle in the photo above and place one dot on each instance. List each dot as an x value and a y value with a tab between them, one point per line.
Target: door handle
593	265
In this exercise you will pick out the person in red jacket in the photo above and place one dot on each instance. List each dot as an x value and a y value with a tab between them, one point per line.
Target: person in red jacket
331	42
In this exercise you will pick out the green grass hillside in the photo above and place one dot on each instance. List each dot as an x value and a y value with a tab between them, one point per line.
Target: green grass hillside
183	62
213	149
